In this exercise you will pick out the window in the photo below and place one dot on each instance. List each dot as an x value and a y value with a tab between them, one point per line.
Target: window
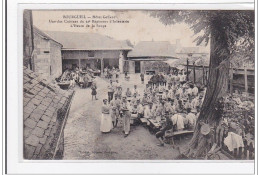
91	54
46	51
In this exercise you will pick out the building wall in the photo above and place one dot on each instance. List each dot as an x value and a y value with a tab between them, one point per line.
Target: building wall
131	67
27	37
41	56
55	59
75	54
47	58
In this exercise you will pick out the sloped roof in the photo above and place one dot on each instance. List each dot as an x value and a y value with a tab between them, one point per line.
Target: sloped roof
87	41
183	61
153	49
188	50
44	35
40	104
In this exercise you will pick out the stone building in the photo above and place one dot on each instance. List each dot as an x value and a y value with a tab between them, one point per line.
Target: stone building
27	38
145	54
46	55
90	50
42	120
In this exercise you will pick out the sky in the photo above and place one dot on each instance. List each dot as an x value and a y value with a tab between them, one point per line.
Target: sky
141	26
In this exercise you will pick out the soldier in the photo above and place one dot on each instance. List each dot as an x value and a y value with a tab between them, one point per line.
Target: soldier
110	91
125	108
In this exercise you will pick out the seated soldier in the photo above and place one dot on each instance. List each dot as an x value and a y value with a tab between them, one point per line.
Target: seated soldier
191	119
165	95
134	114
189	91
148	113
128	93
195	103
135	91
140	109
160	134
177	121
156	89
169	108
118	92
134	100
145	100
195	91
188	103
147	89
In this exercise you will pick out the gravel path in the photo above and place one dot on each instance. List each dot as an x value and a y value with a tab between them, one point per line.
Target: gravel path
84	141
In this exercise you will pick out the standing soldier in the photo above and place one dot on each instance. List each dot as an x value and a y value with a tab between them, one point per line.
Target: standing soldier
125	108
114	110
142	77
110	91
94	90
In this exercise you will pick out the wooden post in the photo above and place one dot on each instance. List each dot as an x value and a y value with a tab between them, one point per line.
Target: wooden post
203	75
79	63
102	66
231	79
245	75
187	76
206	76
194	73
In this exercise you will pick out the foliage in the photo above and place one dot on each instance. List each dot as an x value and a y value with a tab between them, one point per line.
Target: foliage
235	26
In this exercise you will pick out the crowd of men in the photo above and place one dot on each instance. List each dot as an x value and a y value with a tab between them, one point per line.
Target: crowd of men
77	76
175	104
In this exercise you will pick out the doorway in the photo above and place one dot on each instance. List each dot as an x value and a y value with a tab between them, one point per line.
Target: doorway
137	67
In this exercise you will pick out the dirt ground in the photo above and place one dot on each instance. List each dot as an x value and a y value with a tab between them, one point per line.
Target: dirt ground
84	141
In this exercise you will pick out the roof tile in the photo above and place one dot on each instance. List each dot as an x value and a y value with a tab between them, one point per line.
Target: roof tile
25	115
39	132
36	101
43	140
42	107
30	123
26	131
35	116
46	118
38	149
42	124
32	140
49	113
31	105
28	151
28	109
38	111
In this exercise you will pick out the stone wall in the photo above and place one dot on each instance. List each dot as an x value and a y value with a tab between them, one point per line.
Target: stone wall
27	37
42	59
55	59
47	57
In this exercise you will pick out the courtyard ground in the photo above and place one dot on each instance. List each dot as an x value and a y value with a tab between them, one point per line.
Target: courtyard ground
84	141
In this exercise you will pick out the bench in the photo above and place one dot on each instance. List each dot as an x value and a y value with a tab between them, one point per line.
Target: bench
170	134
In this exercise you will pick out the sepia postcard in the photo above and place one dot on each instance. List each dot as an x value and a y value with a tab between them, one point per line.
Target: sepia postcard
138	84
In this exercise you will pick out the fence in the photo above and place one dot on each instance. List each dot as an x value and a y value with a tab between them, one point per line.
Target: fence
239	79
245	153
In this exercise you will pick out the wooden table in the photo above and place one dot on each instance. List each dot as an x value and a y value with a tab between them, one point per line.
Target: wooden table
154	125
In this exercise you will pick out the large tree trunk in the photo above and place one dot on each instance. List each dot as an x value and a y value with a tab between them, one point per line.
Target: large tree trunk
216	87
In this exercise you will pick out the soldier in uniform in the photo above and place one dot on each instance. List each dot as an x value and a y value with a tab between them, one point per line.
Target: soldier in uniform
126	109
